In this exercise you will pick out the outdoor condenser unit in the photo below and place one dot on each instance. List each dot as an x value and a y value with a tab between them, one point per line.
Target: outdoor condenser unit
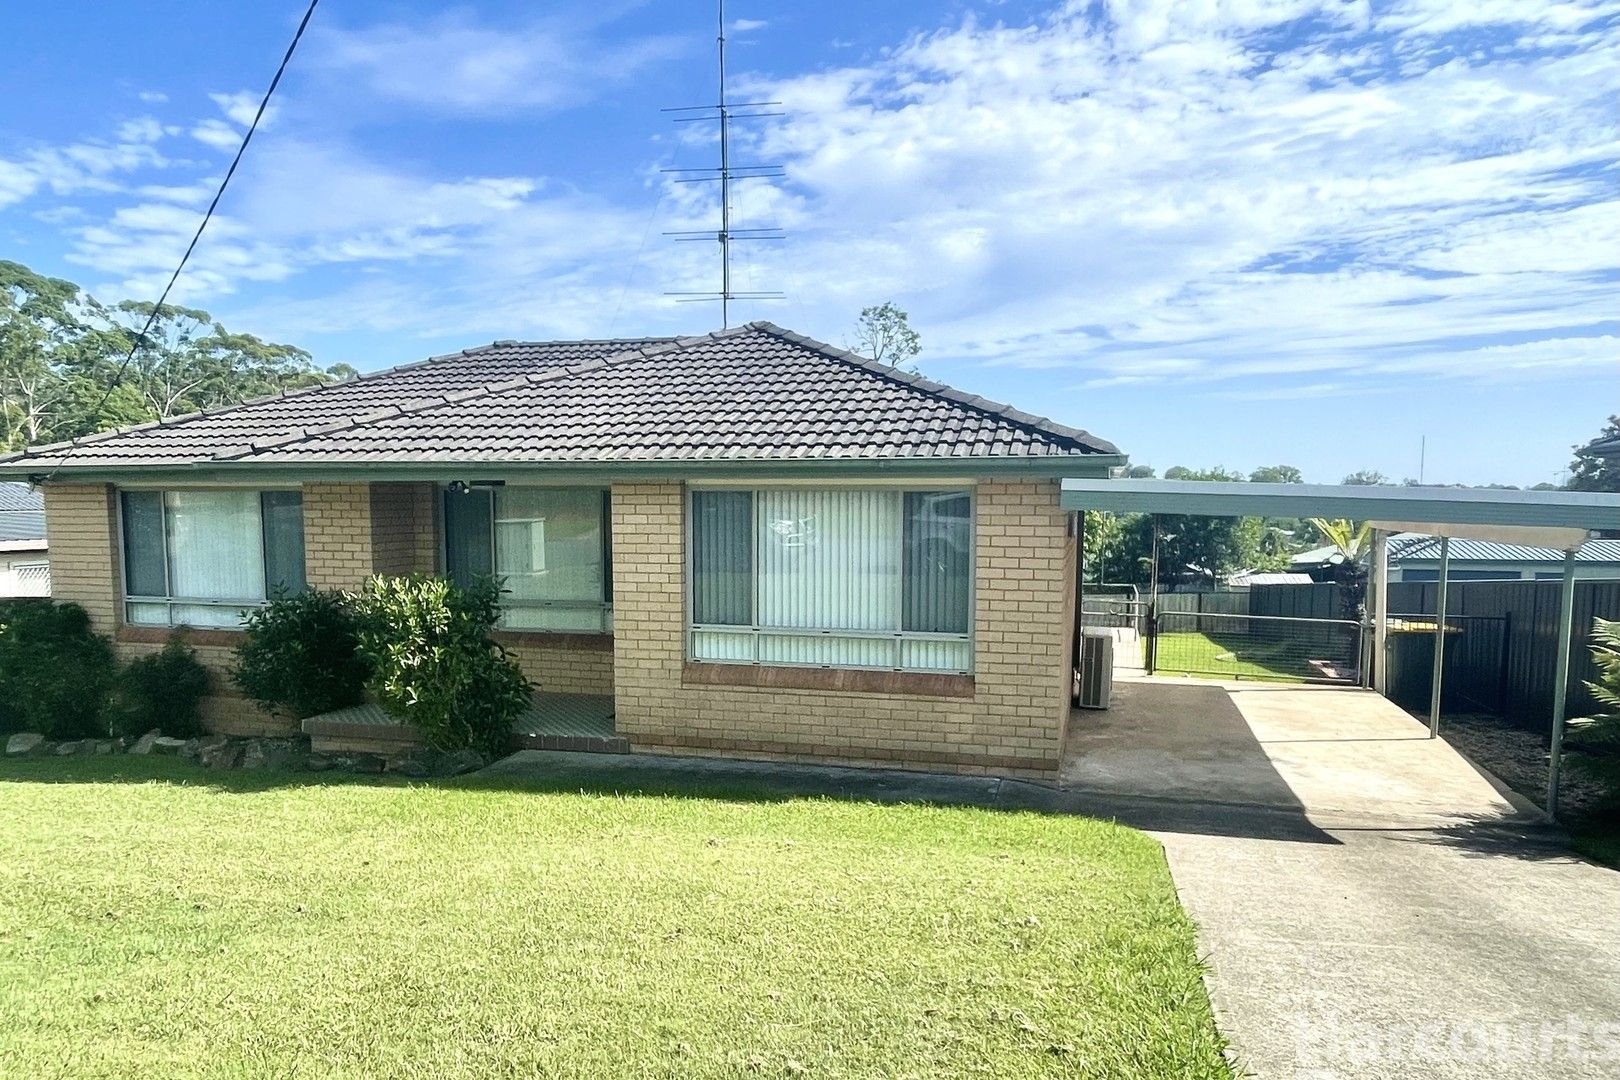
1096	675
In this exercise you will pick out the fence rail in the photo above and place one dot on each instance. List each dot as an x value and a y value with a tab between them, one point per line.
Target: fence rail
1246	646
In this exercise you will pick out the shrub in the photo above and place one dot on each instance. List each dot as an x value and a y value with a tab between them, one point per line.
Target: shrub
161	690
300	655
55	672
1598	737
433	663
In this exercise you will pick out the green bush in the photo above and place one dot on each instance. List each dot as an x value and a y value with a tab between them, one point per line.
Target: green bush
161	690
300	655
433	663
55	672
1598	737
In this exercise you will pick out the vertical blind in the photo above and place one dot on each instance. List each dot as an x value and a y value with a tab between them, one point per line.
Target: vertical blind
232	547
870	576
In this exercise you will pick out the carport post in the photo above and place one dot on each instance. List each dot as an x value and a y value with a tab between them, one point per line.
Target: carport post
1380	587
1566	632
1436	687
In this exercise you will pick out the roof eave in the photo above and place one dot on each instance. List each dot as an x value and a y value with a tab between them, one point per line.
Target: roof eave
247	471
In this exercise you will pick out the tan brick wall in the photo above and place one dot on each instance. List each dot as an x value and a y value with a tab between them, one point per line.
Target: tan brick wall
1012	723
337	535
81	525
562	666
404	528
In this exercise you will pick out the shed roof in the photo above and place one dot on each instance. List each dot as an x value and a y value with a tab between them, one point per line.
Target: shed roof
1415	547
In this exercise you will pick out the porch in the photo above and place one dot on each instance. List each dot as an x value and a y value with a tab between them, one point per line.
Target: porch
553	721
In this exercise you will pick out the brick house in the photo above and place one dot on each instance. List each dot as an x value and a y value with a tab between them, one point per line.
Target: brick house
749	542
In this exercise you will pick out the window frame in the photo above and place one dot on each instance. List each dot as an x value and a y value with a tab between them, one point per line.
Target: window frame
603	607
169	601
760	633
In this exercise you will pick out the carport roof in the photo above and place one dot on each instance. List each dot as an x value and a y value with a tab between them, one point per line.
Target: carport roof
1504	515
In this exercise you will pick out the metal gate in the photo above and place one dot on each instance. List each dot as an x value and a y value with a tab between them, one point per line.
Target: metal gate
1273	647
1123	614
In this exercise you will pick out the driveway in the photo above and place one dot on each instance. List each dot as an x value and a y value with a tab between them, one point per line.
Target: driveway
1370	905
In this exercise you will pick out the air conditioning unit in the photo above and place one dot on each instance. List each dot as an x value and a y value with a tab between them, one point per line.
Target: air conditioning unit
1095	679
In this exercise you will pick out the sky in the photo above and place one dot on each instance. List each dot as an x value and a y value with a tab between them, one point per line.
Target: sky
1324	233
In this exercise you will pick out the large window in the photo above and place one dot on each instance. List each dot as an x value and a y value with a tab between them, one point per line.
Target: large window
549	547
203	557
845	577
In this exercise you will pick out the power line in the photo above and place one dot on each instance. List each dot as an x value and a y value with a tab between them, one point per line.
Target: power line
135	343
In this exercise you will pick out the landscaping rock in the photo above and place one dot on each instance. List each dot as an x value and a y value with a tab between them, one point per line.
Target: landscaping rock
318	762
359	763
189	749
104	746
24	742
458	762
419	763
281	754
219	753
146	743
69	747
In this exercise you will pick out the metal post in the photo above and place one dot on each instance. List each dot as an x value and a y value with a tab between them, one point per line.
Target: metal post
1380	586
1566	632
1436	687
1153	603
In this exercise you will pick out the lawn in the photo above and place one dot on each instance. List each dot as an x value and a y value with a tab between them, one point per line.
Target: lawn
165	921
1233	656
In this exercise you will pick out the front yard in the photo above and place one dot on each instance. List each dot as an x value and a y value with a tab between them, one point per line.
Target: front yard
161	920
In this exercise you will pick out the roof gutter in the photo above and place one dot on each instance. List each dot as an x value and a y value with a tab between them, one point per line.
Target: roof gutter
1089	465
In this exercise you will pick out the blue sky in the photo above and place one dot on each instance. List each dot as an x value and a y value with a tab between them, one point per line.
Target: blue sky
1236	233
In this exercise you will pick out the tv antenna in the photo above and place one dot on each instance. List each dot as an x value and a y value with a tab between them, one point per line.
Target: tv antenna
724	113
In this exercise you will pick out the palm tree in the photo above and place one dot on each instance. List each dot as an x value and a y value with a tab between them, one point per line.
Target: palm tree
1351	539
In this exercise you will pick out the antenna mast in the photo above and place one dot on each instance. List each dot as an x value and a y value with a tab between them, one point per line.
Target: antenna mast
725	174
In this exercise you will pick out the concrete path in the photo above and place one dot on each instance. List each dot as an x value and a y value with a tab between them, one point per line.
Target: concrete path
1412	921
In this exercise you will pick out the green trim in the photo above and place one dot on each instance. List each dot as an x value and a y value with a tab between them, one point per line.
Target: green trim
1089	465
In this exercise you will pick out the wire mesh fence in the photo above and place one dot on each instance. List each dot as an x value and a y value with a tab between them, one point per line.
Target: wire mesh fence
1269	647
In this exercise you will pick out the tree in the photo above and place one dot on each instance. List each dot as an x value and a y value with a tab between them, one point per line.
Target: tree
884	333
1365	478
1277	474
1589	472
1599	736
1351	539
60	350
1139	472
1349	573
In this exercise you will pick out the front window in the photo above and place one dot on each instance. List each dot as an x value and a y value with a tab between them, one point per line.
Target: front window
845	577
203	557
549	547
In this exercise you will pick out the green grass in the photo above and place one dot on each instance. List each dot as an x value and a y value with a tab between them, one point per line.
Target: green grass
1231	656
164	921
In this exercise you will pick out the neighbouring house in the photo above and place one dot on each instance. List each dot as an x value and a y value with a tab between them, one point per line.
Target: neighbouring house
750	542
25	564
1414	557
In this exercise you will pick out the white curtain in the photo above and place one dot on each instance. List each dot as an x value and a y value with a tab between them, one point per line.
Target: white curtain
215	552
548	547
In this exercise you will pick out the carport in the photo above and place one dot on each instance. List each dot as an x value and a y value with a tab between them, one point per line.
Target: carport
1556	519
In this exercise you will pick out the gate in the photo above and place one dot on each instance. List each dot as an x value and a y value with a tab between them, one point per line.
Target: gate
1237	646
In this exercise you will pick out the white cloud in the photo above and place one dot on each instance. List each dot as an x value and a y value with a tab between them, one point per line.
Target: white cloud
548	63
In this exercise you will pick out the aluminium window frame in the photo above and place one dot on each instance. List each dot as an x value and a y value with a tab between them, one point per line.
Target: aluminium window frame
168	600
603	607
760	633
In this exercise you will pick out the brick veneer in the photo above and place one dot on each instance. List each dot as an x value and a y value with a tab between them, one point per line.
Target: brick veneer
1013	722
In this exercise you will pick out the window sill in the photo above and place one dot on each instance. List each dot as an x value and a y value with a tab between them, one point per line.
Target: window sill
845	680
191	635
581	641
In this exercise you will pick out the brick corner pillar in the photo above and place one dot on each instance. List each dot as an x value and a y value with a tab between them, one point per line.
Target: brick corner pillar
81	526
648	602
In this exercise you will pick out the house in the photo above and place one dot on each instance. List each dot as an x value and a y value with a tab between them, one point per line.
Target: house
751	542
25	565
1414	557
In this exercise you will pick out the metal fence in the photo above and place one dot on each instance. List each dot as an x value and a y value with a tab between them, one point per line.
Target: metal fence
1247	646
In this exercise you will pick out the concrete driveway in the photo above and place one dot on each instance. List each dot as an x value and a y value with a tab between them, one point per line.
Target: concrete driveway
1369	904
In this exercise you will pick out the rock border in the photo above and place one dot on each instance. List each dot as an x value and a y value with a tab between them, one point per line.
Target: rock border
263	753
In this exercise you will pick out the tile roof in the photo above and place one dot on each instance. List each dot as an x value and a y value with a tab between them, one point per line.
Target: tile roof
1414	547
755	393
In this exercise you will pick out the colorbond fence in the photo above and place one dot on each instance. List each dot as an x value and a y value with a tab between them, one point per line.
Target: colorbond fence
1501	651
